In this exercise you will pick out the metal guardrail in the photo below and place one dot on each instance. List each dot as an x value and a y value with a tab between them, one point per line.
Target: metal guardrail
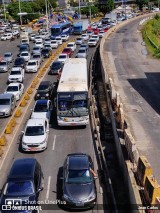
151	41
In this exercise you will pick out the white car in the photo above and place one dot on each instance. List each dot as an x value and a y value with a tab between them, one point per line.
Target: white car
32	66
101	34
72	45
63	57
44	35
47	41
59	39
85	36
32	37
92	42
39	44
16	89
26	55
15	32
54	44
90	33
38	38
42	109
38	57
35	135
65	37
16	75
79	40
6	36
95	37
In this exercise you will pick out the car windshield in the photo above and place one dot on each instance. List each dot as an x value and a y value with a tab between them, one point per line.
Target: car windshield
45	50
21	188
70	45
35	48
12	88
24	54
43	87
7	55
62	56
4	101
15	72
31	63
66	50
92	40
34	130
56	65
79	39
36	56
41	108
81	51
2	63
53	42
79	176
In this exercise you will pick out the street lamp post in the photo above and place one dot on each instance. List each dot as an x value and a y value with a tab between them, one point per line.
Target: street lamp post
46	14
80	9
20	13
4	10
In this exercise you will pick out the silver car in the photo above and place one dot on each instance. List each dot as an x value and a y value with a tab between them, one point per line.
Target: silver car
7	104
82	53
4	67
8	56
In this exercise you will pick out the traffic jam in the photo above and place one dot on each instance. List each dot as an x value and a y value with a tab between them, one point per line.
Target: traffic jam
62	96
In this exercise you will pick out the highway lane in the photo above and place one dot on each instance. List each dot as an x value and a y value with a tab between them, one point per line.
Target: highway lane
137	76
62	141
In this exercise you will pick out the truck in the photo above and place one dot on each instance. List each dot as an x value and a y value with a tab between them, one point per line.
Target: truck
24	37
80	26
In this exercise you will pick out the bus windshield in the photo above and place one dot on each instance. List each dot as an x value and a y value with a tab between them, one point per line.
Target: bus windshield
55	31
72	104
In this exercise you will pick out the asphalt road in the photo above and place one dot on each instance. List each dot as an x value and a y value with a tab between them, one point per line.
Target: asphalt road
137	76
61	142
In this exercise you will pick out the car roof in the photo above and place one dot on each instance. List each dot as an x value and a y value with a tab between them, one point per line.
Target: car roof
35	122
22	168
6	95
8	53
32	61
63	54
73	43
16	68
78	161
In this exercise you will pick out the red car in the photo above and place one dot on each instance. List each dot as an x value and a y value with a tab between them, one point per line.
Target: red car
96	31
68	51
105	29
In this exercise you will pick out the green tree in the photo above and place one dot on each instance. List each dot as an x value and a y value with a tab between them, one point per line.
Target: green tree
141	3
107	6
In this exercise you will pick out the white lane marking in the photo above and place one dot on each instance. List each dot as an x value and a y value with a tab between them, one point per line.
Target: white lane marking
54	142
48	187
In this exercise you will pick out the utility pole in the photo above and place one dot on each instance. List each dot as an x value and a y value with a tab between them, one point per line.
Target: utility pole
4	10
20	12
47	14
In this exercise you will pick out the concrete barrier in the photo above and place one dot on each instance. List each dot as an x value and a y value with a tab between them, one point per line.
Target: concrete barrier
18	113
130	145
144	169
151	190
3	140
23	103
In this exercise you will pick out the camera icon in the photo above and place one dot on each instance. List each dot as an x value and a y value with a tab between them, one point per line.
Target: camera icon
13	202
6	207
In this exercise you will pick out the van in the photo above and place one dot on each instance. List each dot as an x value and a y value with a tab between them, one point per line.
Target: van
25	181
7	104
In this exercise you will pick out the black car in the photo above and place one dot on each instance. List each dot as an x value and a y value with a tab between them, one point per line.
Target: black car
45	90
46	52
19	62
79	190
56	67
24	182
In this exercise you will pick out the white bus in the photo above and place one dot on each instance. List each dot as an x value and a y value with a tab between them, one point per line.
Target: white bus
72	94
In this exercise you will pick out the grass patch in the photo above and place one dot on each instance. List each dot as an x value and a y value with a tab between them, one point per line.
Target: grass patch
151	36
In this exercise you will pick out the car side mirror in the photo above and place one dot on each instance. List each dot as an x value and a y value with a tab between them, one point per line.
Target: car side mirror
61	178
47	130
22	132
31	109
95	177
40	189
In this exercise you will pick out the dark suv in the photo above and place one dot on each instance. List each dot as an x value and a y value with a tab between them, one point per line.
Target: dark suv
45	90
24	182
19	62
